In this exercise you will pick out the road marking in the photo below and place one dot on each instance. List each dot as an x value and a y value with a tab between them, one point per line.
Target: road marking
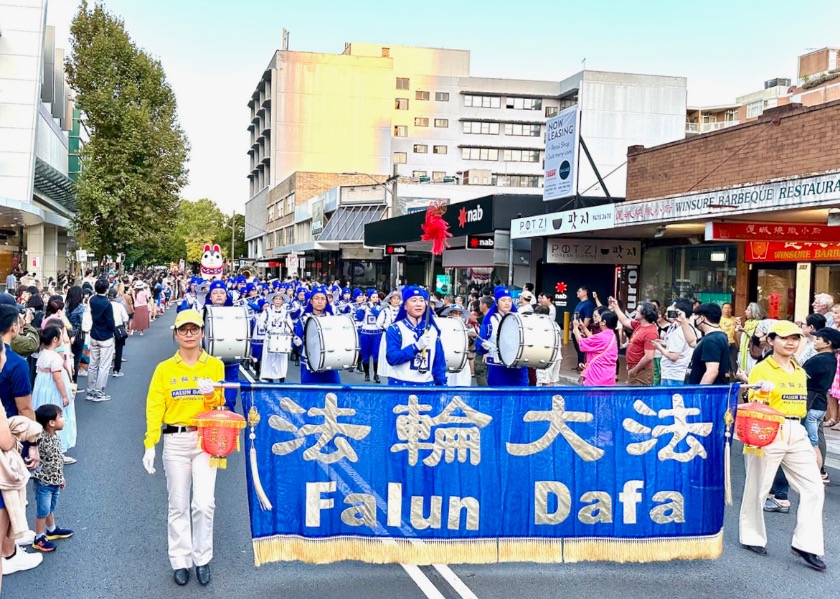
414	572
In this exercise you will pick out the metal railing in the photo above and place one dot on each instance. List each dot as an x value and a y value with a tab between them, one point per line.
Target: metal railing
706	127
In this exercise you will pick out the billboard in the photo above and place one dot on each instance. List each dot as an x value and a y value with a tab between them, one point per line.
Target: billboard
562	138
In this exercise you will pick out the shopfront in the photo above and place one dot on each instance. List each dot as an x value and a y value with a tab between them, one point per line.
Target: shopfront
706	273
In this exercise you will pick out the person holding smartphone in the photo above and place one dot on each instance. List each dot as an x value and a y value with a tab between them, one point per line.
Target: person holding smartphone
678	345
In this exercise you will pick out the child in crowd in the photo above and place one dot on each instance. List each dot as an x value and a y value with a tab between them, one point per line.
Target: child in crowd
49	479
53	386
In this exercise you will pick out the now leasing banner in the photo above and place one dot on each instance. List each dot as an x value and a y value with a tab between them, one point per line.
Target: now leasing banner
443	475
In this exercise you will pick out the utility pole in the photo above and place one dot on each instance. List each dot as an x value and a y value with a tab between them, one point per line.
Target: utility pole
395	261
232	241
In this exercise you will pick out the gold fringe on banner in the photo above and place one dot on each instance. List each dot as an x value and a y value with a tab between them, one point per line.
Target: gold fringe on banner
379	550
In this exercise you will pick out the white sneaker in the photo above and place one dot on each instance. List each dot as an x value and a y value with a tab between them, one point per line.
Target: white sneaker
98	398
83	373
27	539
21	561
118	374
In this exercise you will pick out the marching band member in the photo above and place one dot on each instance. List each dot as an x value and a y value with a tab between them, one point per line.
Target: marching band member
415	353
258	331
370	335
498	375
358	299
218	295
275	318
316	307
182	388
345	304
463	378
191	296
387	317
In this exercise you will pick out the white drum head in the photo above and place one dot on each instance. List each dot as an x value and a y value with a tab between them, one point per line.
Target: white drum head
510	338
313	342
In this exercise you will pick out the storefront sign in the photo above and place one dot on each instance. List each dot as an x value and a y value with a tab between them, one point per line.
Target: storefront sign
594	218
792	251
561	148
466	215
292	262
443	283
770	232
787	193
395	250
480	242
564	250
317	217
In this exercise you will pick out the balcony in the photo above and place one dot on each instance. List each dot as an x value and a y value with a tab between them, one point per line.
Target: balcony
695	128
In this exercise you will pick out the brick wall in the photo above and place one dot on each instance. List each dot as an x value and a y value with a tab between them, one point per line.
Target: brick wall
787	141
815	62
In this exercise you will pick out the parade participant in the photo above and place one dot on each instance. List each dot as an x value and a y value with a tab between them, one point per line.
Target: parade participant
258	332
218	295
463	378
358	299
415	354
181	388
498	375
386	318
316	307
370	335
275	321
345	304
781	383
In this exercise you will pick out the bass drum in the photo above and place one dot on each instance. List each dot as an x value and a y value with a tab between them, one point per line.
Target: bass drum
455	341
278	342
330	343
227	332
531	340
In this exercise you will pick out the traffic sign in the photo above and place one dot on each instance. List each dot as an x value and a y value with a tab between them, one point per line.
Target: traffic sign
395	250
480	242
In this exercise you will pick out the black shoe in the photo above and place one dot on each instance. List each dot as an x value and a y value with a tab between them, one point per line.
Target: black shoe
376	378
811	559
182	576
203	574
367	378
756	549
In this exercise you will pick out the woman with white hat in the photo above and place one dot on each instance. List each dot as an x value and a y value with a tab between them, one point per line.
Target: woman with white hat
141	307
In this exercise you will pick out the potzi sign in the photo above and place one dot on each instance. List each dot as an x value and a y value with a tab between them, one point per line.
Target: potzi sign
594	218
563	250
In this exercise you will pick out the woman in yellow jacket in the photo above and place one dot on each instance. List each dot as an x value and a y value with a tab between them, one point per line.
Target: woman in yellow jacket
181	388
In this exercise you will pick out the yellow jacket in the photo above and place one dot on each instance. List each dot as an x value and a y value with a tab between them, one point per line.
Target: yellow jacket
174	397
790	395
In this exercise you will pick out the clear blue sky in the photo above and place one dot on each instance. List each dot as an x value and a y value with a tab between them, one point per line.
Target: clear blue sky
215	50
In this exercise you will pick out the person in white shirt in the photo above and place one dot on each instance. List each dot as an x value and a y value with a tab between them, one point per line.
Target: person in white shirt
525	299
549	377
678	345
544	300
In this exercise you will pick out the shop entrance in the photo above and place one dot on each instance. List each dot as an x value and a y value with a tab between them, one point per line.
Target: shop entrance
599	278
775	290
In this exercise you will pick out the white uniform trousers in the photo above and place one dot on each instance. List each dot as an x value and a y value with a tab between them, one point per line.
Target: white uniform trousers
792	450
186	466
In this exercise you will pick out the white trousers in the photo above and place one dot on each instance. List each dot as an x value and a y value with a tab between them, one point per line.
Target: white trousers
792	450
186	466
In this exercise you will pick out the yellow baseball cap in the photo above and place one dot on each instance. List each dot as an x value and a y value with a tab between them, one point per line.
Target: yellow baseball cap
188	317
785	328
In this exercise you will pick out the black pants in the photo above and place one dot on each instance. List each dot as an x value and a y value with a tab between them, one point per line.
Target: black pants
77	347
119	344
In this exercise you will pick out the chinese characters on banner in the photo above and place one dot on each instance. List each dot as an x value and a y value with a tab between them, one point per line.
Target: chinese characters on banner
771	232
486	476
791	251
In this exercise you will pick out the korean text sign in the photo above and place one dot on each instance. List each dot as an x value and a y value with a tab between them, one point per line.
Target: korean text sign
431	475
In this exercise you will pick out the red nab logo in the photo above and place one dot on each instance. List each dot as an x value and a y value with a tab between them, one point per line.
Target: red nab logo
470	216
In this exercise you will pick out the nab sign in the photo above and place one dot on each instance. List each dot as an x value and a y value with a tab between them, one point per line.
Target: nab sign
394	250
480	242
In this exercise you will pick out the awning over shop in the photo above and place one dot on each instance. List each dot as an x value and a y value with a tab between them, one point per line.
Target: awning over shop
348	223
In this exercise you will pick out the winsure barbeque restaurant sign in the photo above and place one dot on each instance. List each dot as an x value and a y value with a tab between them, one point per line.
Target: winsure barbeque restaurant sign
787	193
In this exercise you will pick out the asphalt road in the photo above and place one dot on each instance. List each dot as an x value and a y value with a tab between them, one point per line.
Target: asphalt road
119	550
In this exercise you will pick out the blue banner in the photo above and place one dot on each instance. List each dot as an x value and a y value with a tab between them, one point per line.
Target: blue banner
478	475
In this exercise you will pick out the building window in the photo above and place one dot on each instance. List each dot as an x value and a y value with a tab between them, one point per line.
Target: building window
401	103
480	153
421	149
437	176
483	101
517	180
442	123
441	96
402	82
440	149
755	109
418	95
521	156
400	131
290	204
421	121
418	174
400	157
475	127
524	103
731	115
271	213
522	130
290	235
551	111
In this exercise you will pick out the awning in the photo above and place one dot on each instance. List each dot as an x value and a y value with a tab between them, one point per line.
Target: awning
348	223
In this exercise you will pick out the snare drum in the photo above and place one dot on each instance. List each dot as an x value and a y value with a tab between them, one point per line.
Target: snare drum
330	342
531	340
278	342
454	339
227	332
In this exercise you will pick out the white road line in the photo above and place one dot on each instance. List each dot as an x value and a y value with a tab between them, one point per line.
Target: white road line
423	582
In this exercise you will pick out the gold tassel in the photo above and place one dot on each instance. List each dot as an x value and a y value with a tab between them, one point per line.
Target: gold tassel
752	450
727	458
218	462
642	550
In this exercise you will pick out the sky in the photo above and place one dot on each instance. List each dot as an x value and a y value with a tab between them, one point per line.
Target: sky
214	51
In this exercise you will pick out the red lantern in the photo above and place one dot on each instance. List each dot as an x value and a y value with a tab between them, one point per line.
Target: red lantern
756	426
218	434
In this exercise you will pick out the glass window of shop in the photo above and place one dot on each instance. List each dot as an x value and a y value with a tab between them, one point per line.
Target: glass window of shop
704	273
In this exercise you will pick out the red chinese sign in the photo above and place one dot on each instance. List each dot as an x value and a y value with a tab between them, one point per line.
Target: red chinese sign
792	251
770	232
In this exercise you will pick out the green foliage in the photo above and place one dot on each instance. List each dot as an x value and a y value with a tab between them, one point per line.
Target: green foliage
134	165
223	239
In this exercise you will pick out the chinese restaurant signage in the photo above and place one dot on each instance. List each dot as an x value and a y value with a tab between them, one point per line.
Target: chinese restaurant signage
792	251
771	232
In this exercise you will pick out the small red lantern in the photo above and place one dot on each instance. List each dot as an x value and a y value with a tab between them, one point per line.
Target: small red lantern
218	434
756	426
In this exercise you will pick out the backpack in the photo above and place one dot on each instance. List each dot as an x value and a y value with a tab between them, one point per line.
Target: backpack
87	320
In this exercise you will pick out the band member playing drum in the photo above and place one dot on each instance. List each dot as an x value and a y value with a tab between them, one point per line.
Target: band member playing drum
386	318
498	375
182	388
462	378
219	296
279	331
258	332
415	353
316	307
370	335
